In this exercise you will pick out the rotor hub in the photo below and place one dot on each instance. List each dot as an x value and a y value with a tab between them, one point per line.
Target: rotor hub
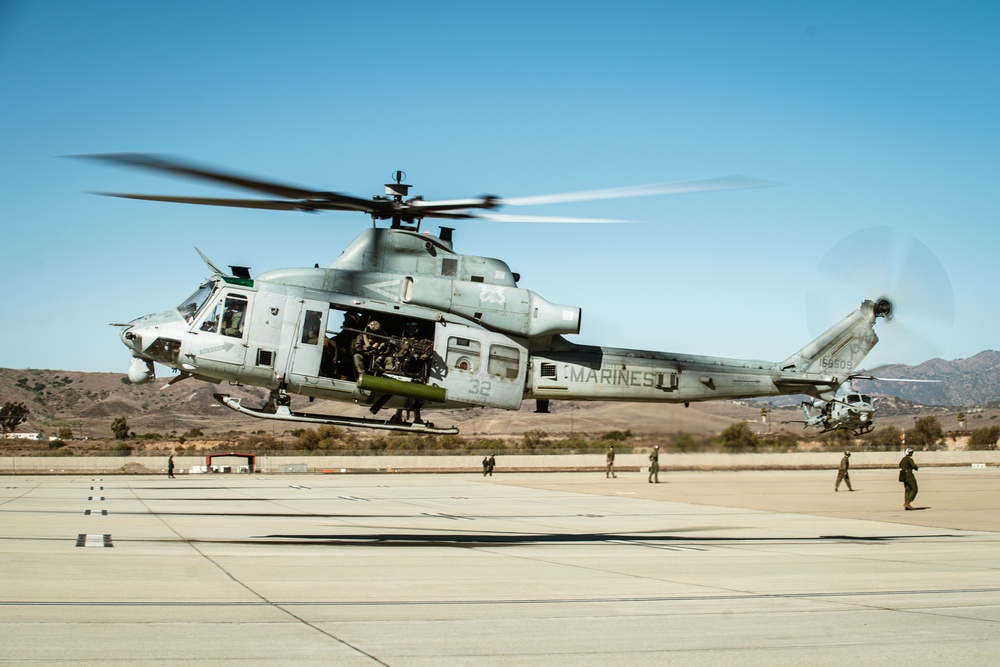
883	308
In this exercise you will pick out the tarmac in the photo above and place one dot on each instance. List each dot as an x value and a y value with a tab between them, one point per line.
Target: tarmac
706	568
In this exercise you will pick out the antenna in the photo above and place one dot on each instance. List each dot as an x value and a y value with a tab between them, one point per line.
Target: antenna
398	190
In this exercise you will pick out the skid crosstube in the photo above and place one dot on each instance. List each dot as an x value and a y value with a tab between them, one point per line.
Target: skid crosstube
284	414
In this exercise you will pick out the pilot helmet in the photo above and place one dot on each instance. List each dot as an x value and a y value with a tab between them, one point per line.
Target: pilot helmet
847	453
909	451
374	325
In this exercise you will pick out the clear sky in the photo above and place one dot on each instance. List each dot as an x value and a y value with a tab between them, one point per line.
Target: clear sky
880	120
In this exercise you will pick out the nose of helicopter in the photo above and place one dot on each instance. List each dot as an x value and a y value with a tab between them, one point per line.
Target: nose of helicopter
155	337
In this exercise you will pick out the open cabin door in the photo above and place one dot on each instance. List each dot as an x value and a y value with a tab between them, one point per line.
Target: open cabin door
481	367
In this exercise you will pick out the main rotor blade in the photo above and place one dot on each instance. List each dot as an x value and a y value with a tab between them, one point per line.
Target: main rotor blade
213	201
169	165
506	217
678	187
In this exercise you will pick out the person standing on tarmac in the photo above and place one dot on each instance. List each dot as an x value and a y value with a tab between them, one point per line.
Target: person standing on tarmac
654	465
843	473
610	472
909	480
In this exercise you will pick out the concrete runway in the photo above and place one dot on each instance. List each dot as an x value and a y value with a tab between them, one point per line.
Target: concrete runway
707	568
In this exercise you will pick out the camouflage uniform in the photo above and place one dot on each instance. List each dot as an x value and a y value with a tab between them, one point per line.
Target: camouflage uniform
844	474
654	465
610	472
907	466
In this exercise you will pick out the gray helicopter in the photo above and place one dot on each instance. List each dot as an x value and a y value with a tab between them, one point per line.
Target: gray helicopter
849	408
400	321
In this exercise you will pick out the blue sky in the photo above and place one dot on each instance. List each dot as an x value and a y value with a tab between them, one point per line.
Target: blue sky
878	119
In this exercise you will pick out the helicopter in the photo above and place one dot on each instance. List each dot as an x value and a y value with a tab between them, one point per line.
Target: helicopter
403	322
848	409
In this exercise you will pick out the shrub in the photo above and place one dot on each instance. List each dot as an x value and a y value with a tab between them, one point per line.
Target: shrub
984	438
738	438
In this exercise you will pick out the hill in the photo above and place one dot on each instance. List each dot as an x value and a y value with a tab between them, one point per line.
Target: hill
963	382
88	402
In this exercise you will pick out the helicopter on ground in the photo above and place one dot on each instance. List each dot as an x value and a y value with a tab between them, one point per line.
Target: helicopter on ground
848	409
401	321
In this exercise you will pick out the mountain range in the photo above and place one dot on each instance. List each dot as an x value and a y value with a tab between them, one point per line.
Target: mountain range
86	403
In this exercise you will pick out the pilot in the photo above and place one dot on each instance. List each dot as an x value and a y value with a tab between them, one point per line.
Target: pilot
843	473
235	311
610	472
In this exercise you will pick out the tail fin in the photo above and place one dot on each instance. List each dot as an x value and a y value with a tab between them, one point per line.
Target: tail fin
840	350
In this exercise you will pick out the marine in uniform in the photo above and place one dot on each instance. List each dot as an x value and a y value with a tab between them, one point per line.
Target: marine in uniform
909	480
843	473
654	465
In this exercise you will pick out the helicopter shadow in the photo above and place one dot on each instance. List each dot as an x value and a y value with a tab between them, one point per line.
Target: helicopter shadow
474	540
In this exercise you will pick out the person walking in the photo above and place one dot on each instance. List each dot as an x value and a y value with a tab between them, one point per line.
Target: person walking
654	465
610	472
491	463
170	466
909	480
843	473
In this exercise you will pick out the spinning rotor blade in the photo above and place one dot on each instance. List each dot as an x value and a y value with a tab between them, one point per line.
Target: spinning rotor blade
293	198
674	188
879	262
173	166
503	217
307	199
210	201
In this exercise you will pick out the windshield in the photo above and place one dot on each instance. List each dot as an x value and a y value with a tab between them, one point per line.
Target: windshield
190	306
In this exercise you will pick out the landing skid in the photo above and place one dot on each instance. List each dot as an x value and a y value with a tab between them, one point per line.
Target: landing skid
282	413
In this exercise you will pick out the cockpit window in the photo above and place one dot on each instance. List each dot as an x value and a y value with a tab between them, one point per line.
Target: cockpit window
227	316
190	306
234	316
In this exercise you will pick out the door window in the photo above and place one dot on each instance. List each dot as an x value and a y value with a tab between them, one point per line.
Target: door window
504	361
463	354
310	327
227	316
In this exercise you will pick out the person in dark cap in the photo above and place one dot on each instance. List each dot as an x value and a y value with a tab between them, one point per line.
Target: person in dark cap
909	480
843	473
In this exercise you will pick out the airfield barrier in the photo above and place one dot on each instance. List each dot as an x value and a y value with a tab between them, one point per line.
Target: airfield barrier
146	465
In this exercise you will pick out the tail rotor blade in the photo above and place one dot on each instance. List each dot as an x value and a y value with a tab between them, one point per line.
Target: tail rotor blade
881	262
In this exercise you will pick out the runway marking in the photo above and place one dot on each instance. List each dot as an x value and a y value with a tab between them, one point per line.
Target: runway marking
97	488
354	499
298	486
447	516
494	602
93	498
641	543
88	513
84	540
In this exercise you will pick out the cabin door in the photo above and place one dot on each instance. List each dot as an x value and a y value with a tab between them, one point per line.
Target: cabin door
481	367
